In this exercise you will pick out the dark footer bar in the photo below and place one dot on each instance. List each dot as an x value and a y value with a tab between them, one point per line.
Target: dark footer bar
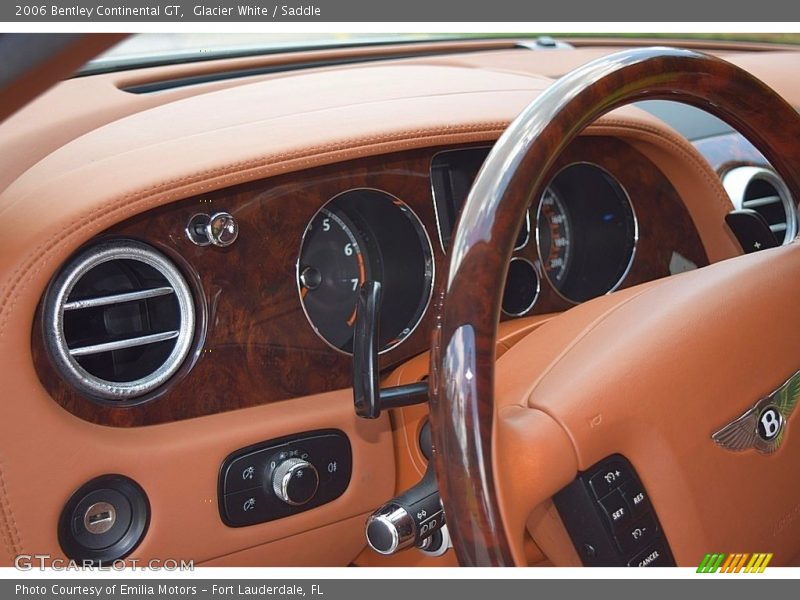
391	589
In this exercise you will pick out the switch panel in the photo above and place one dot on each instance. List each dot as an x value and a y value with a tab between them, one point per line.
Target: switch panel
283	477
609	517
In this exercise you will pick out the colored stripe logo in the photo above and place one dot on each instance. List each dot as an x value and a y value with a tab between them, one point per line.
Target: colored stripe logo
734	563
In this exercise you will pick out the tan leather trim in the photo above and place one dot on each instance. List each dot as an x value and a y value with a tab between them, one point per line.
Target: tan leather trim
548	531
651	372
407	422
177	465
78	106
8	525
329	546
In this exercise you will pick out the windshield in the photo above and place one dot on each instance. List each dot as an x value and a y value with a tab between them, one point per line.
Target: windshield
161	48
157	48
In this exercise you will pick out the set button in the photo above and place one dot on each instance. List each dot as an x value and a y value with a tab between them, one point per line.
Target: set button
616	508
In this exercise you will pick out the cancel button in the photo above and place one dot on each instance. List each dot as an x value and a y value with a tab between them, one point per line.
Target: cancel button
655	555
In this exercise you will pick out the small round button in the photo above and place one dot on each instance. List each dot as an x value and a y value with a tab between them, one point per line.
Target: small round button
295	481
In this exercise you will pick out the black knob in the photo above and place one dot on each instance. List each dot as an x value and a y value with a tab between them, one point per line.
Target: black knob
295	481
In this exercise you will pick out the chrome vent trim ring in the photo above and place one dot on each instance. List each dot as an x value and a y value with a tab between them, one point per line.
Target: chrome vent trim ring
57	302
737	183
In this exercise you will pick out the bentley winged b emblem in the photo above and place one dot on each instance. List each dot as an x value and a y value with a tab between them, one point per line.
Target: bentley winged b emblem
762	427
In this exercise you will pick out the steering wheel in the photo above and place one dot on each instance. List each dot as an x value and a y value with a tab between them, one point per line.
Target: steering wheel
650	373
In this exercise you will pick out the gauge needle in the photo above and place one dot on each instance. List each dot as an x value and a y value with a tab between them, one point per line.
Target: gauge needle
361	277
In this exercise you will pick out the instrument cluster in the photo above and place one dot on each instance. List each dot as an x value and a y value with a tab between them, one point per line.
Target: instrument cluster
583	228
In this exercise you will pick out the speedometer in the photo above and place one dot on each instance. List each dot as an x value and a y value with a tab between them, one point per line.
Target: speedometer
555	236
361	235
586	231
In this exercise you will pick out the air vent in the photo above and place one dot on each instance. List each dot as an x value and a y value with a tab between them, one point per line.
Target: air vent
118	320
761	190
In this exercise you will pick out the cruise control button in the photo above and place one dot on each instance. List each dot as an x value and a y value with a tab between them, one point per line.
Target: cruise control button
655	555
609	478
635	536
616	508
636	498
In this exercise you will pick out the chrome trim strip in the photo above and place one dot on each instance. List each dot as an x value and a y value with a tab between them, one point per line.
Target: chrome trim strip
765	201
527	226
118	298
126	343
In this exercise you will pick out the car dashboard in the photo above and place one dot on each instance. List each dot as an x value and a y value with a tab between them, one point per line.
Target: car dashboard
184	287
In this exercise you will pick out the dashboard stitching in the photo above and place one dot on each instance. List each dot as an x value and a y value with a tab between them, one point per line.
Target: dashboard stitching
11	536
130	203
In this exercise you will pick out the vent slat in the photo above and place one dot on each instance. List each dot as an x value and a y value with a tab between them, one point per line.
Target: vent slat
778	228
122	344
118	298
765	201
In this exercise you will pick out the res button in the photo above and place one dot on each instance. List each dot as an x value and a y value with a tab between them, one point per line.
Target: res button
636	498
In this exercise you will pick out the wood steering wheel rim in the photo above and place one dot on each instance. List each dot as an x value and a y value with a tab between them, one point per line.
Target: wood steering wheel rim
463	357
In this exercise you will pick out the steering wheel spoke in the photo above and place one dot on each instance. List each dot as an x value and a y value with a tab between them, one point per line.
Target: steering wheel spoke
534	459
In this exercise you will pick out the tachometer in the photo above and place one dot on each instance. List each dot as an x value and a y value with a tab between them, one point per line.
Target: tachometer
332	268
364	234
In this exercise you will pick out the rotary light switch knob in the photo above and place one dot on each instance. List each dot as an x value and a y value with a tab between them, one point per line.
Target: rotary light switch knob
295	481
